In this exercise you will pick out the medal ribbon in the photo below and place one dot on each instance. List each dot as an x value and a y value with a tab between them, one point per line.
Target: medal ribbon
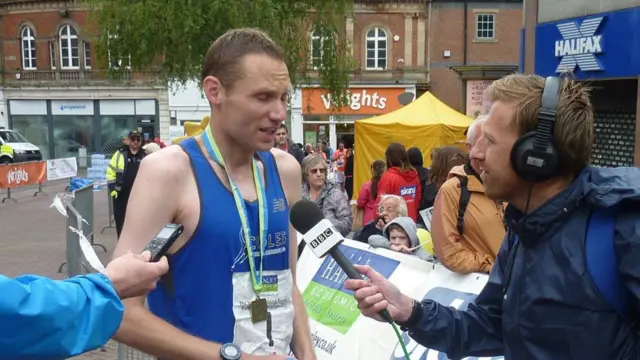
216	155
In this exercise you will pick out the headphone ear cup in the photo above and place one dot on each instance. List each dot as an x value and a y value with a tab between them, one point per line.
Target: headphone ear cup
518	155
523	152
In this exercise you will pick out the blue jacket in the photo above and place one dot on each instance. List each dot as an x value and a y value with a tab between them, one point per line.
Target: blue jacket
46	319
550	308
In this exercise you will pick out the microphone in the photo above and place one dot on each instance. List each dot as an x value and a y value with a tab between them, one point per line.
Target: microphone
323	239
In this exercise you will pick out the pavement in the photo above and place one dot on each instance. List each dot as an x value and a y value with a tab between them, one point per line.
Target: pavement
32	240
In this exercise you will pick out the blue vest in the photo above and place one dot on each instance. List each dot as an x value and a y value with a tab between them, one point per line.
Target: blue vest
208	290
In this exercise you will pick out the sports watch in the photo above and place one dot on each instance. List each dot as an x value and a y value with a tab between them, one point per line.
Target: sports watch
230	352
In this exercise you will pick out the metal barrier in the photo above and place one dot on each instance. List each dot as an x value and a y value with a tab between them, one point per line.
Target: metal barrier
79	216
18	175
128	353
112	218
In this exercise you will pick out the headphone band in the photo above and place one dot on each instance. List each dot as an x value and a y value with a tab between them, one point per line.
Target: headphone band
547	113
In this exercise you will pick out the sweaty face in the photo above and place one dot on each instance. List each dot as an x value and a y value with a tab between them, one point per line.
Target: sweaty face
252	110
492	152
281	136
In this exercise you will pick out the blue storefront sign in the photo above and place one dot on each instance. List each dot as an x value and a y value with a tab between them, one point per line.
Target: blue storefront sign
605	45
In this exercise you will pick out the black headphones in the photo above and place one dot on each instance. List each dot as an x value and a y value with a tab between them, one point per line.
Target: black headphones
534	157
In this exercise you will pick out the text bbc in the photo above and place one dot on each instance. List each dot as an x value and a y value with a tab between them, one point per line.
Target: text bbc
321	238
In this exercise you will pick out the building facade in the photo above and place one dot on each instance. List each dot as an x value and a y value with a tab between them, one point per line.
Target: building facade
594	41
452	48
57	95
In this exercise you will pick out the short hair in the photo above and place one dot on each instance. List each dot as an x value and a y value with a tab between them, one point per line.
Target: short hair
284	126
223	57
472	131
402	205
574	126
311	161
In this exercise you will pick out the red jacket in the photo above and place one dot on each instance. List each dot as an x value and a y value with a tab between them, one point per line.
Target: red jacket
405	183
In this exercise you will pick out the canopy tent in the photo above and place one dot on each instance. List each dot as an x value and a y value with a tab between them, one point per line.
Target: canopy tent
426	123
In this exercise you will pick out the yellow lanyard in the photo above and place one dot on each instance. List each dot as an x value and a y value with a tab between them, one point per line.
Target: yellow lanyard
216	155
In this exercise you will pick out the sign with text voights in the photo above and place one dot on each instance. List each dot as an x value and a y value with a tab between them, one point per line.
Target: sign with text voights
362	101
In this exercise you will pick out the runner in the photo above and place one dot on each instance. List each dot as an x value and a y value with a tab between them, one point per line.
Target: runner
232	193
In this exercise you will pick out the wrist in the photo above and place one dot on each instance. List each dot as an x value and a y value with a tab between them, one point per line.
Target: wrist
405	310
414	316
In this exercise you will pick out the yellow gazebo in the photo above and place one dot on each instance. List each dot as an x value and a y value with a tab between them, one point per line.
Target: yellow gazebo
426	123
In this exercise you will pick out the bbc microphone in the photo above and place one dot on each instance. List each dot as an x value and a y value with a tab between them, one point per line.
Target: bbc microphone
323	239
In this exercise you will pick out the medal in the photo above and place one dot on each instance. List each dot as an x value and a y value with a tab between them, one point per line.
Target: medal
258	309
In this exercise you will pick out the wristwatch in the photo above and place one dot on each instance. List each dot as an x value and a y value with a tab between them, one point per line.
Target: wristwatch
230	352
414	318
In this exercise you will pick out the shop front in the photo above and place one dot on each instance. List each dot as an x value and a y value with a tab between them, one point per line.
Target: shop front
60	128
598	49
322	122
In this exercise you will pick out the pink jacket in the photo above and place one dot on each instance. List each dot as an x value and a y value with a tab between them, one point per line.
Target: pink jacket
367	202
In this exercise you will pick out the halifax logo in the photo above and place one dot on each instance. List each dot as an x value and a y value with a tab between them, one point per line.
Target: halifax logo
579	45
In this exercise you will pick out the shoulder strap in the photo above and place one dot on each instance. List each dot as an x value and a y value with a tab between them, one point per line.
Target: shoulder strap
602	260
465	195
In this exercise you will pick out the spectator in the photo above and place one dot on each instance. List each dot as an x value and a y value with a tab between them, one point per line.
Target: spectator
401	179
369	192
400	235
339	157
417	161
390	207
467	227
285	144
308	150
348	174
320	149
330	198
442	161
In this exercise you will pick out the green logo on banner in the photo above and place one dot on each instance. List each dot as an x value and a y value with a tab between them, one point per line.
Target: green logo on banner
325	298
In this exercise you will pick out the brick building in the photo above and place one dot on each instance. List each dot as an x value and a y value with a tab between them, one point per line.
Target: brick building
56	92
451	48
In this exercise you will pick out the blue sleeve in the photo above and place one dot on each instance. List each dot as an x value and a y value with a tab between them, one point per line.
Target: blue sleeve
476	331
42	318
627	246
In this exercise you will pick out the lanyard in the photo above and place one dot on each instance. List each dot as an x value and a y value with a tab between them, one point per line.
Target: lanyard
214	153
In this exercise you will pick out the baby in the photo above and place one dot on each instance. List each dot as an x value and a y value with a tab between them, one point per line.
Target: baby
401	236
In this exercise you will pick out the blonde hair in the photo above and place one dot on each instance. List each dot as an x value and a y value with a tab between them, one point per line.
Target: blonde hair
311	161
574	126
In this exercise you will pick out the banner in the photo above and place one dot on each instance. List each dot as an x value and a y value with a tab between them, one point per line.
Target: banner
22	174
62	168
338	329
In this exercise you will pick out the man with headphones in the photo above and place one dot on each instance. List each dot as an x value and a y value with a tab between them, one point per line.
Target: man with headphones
566	281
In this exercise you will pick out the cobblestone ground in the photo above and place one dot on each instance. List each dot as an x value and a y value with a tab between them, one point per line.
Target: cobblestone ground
32	240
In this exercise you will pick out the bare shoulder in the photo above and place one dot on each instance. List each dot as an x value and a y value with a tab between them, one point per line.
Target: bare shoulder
167	164
288	166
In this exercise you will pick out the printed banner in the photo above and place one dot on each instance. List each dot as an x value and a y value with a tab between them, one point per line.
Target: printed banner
62	168
338	329
22	174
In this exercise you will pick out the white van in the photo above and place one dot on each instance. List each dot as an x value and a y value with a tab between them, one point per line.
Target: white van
16	148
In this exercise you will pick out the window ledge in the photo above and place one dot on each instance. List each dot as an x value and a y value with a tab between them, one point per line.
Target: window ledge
487	41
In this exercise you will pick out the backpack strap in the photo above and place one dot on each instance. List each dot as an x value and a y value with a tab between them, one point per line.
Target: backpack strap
602	260
465	195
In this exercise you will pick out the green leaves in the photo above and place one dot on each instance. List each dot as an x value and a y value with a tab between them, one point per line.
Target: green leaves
173	36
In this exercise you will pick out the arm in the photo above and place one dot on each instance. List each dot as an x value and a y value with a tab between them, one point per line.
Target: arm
47	318
446	243
627	246
379	241
476	331
423	255
364	195
290	174
111	171
337	210
157	198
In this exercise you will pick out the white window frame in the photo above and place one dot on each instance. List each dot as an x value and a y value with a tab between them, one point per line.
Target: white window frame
28	35
52	55
111	65
490	20
67	36
86	46
316	36
379	34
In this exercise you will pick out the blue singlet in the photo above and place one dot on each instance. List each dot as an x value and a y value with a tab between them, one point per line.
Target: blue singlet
208	290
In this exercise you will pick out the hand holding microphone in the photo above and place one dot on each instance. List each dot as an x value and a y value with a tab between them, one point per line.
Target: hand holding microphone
323	239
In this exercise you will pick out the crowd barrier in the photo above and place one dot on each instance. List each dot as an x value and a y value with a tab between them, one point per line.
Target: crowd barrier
35	173
339	331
